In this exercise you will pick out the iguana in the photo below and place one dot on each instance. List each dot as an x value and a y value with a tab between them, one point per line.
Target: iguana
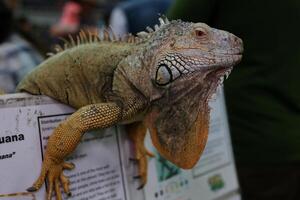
160	80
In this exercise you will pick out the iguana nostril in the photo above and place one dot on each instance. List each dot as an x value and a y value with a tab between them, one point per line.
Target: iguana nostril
225	39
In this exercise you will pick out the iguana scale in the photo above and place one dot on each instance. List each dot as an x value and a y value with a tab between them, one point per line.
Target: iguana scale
161	80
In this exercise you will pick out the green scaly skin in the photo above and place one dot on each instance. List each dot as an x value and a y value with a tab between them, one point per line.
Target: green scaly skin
161	80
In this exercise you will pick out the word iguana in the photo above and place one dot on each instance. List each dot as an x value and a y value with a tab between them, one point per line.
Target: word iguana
159	80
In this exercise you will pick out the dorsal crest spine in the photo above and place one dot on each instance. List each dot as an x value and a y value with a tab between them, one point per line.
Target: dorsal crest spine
107	34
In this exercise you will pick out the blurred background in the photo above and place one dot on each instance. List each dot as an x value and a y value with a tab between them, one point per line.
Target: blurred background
262	93
31	28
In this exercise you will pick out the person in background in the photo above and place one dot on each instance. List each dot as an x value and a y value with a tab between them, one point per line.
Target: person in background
76	14
17	56
262	93
135	16
25	29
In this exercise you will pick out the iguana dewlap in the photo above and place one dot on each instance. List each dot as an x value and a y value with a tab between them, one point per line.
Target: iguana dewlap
161	80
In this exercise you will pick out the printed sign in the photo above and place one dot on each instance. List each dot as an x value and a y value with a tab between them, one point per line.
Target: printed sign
24	132
103	170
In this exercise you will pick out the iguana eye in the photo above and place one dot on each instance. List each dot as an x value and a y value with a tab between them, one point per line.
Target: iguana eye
163	75
200	32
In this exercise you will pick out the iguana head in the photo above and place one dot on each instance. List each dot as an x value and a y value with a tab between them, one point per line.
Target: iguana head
179	68
180	49
187	63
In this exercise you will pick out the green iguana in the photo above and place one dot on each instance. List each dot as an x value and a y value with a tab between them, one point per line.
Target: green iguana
161	79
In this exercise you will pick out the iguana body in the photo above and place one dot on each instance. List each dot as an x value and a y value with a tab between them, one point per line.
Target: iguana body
78	76
161	80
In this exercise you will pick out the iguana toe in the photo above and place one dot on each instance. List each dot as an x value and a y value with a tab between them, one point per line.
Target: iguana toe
32	189
134	160
140	187
137	177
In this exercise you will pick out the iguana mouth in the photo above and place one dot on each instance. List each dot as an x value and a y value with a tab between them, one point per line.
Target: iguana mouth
226	60
214	79
217	75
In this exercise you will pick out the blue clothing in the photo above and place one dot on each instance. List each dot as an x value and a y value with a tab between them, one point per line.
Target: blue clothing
143	13
17	58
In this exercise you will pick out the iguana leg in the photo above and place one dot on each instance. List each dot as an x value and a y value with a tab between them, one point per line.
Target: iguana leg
137	132
65	139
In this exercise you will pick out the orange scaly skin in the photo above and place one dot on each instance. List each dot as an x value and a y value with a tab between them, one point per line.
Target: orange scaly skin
67	136
161	80
136	133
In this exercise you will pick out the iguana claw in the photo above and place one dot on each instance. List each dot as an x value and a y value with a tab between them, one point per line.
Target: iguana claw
142	162
54	172
136	133
140	187
31	189
134	160
137	177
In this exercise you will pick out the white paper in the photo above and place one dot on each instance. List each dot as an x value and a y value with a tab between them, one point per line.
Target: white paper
103	170
97	174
